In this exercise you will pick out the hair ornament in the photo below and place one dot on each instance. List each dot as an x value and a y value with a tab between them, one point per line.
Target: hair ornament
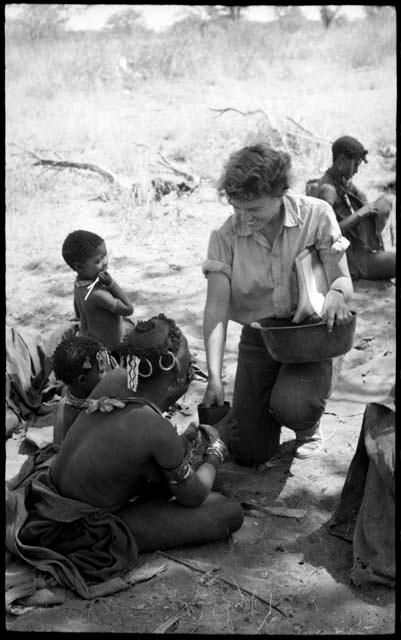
132	372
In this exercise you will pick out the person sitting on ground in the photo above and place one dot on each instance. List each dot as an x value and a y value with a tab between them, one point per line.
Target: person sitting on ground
99	302
121	483
80	362
251	277
361	222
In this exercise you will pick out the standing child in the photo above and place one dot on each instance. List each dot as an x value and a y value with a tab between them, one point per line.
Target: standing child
99	301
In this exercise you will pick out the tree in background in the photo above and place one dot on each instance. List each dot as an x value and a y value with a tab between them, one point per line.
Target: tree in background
226	11
40	21
329	13
290	17
124	22
375	11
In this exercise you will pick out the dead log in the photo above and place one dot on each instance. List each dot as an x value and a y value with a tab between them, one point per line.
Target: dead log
173	179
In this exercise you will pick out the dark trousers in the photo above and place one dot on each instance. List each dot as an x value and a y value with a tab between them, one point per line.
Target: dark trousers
268	395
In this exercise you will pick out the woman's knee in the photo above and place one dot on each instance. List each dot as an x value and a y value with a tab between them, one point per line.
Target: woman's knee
233	515
298	415
226	513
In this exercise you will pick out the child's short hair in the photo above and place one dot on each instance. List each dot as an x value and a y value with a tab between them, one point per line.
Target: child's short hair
72	354
79	246
255	171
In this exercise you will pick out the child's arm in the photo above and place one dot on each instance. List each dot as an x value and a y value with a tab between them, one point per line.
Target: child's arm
121	304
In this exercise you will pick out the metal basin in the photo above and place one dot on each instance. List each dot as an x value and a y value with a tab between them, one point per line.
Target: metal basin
308	342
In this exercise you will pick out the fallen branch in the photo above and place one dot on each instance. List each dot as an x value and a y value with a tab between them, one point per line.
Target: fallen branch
165	626
233	583
309	133
283	512
220	112
274	129
158	185
165	163
120	181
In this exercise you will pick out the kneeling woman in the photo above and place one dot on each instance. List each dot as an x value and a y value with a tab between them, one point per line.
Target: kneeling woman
251	276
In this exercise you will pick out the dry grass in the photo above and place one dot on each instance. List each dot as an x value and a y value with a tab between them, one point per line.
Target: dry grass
69	97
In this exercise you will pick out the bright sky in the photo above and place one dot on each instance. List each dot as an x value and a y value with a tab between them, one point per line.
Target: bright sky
160	16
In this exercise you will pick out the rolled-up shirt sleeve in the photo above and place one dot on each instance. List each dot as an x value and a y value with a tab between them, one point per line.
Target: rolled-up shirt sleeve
219	255
330	242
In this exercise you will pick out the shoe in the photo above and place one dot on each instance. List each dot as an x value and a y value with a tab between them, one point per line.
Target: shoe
308	443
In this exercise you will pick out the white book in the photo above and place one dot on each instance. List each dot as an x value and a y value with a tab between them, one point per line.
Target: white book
312	284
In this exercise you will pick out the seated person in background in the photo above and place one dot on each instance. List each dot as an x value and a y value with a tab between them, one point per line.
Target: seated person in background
121	482
361	222
99	302
80	362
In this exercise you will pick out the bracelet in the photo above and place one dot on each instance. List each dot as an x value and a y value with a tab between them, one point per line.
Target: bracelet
338	291
214	453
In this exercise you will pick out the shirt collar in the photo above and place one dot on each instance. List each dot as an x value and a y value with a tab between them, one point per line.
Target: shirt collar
292	217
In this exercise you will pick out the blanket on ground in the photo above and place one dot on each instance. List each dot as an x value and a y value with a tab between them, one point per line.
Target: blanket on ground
83	548
365	514
28	368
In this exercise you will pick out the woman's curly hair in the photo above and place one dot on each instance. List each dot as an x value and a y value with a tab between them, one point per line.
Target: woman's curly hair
70	355
255	171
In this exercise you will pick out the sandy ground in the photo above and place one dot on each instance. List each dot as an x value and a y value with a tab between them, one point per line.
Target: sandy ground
276	575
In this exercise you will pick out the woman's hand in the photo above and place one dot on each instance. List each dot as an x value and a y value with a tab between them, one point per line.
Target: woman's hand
335	309
214	394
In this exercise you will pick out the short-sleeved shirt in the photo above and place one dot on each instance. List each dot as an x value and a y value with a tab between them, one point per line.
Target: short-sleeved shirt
263	276
97	315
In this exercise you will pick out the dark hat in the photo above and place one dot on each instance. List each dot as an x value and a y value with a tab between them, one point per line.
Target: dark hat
349	147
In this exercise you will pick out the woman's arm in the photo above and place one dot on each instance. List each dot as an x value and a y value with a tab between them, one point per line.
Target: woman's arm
215	320
340	292
189	487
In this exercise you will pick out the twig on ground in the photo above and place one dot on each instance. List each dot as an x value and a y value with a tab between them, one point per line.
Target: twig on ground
220	112
67	164
222	578
266	616
165	163
165	626
275	511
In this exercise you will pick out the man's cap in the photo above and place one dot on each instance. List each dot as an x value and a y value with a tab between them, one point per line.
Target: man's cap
349	147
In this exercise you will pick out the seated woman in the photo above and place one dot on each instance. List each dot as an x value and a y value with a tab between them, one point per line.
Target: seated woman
121	483
251	277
